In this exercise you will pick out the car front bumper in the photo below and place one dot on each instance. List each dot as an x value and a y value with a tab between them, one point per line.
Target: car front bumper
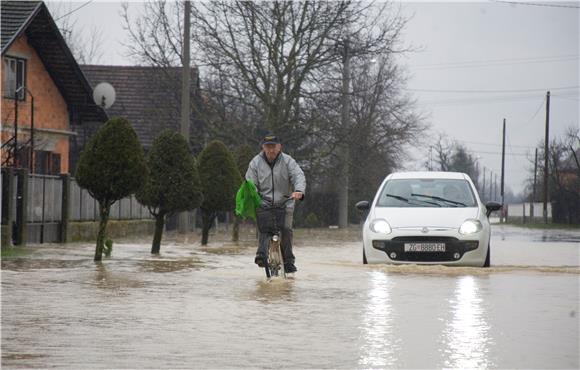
459	250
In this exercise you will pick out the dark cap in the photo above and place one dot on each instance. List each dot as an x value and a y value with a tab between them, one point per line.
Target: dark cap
270	139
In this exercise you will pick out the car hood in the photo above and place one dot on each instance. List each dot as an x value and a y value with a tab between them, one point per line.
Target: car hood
420	217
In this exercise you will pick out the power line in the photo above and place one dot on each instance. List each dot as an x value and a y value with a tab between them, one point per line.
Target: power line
549	58
499	153
491	91
574	97
497	62
495	99
74	10
510	146
491	144
537	110
537	4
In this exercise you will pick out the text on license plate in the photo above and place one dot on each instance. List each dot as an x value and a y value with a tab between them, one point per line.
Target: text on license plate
424	247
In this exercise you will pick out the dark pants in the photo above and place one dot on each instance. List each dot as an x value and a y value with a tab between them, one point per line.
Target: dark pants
287	233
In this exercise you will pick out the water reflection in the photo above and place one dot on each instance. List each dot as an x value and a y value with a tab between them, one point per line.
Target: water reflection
159	265
29	264
466	339
277	289
114	283
227	248
379	345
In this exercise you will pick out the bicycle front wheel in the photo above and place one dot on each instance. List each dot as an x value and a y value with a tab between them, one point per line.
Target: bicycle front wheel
275	259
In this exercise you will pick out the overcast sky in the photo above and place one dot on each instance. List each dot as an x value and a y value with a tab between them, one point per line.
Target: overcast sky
502	57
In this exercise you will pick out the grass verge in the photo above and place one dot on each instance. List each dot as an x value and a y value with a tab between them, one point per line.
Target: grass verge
546	226
13	252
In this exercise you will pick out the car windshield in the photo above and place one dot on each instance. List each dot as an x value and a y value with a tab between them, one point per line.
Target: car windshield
427	193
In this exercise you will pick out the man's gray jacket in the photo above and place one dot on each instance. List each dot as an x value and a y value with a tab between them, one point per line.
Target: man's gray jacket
278	180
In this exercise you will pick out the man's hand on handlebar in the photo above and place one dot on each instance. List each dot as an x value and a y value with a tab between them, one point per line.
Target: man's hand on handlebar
297	195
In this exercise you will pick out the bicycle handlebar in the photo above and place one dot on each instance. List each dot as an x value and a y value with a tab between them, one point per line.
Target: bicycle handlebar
287	199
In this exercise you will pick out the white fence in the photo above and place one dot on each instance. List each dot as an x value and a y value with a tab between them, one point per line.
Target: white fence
84	208
524	211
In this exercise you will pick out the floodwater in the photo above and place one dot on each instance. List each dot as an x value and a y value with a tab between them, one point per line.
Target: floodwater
211	307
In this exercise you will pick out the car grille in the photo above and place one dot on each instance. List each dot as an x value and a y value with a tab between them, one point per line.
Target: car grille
454	248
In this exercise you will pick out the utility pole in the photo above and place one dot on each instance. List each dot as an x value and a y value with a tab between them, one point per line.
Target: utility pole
15	129
476	174
546	157
502	171
490	184
483	187
345	155
431	158
534	186
183	224
31	132
495	186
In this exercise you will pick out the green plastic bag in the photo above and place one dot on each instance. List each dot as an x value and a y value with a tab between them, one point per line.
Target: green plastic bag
247	200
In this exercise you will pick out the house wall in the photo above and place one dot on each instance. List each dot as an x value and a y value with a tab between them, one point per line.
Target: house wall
51	118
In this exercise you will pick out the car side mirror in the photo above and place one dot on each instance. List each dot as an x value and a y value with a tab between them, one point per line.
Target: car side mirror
492	207
363	205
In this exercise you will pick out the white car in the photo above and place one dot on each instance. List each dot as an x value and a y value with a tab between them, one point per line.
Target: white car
427	218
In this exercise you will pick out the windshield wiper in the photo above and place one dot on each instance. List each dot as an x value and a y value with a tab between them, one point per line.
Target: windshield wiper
407	200
398	197
441	199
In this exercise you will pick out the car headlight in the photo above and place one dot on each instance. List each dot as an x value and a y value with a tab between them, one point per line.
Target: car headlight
380	226
470	227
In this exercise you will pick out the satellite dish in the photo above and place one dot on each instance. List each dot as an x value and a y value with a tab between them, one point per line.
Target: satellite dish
104	95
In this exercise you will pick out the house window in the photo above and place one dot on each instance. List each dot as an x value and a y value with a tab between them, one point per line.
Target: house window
46	163
15	77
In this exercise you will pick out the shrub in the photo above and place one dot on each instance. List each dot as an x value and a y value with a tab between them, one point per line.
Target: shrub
111	167
312	220
108	248
220	179
173	183
244	155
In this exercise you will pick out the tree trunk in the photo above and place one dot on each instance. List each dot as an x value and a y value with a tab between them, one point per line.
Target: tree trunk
207	218
159	225
236	229
104	218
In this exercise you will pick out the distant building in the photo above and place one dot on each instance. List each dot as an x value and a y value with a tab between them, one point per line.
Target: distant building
37	63
565	196
570	171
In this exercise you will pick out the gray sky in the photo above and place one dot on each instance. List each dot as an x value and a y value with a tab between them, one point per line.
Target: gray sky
473	46
496	46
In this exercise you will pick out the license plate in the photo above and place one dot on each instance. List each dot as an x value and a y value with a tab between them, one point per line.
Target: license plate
424	247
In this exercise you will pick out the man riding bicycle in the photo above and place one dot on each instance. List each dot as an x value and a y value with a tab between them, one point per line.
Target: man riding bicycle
277	176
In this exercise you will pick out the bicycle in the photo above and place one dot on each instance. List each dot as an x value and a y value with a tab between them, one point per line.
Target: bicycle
270	221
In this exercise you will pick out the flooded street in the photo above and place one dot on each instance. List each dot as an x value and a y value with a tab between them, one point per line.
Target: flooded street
211	307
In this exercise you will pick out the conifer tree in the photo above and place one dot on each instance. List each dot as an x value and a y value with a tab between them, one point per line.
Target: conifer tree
173	184
220	179
111	167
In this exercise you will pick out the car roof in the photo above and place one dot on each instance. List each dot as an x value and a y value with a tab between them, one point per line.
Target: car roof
427	175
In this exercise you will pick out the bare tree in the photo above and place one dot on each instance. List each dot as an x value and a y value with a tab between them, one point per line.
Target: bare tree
156	35
452	156
443	148
277	50
565	180
383	121
86	45
564	177
267	56
279	66
573	141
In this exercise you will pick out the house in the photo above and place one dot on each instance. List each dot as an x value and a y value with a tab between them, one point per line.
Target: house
44	92
149	98
570	171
